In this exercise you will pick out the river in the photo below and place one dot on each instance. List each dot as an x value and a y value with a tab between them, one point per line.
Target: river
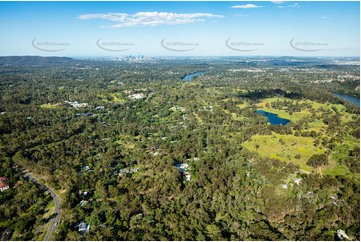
189	77
348	98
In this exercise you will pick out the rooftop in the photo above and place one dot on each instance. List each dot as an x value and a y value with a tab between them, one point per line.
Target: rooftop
182	167
84	227
3	185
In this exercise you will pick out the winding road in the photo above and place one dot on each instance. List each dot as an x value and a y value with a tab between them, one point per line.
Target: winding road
56	219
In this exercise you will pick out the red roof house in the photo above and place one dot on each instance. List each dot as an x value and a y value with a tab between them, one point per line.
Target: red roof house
3	184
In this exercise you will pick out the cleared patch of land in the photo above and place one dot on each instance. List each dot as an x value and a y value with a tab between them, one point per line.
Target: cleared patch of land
234	115
288	148
296	149
127	141
112	97
49	105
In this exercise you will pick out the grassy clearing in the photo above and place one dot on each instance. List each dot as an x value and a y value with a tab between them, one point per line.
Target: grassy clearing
339	170
212	90
282	113
112	97
234	115
317	126
243	105
50	211
50	106
306	112
61	194
285	148
116	98
342	150
127	141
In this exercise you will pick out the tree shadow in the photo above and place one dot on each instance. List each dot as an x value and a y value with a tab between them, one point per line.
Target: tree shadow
46	220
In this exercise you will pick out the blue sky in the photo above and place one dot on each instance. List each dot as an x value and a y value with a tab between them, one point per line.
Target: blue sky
180	28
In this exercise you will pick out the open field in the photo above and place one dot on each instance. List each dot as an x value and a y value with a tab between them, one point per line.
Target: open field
112	97
288	147
127	141
285	148
49	105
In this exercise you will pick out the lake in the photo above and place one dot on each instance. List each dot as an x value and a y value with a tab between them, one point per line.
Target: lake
273	118
348	98
189	77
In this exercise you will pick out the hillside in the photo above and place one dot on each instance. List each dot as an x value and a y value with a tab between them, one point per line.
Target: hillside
34	60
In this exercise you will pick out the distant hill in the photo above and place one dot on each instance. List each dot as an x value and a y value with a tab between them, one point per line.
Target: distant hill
34	60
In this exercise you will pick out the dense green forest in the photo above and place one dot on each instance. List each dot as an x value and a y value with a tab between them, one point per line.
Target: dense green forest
118	130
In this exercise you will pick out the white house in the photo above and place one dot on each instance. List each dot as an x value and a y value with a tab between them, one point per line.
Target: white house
83	227
183	169
4	187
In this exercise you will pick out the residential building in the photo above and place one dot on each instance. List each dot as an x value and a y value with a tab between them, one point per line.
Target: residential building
4	184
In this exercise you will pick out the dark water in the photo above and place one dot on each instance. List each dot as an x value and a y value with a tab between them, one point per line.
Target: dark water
273	118
348	98
189	77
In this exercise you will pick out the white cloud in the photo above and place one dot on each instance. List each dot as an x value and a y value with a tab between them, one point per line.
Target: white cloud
246	6
150	18
277	2
295	5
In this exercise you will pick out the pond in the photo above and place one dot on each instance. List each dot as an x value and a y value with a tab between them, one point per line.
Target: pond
348	98
189	77
273	118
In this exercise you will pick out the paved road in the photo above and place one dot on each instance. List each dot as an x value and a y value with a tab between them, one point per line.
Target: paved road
56	219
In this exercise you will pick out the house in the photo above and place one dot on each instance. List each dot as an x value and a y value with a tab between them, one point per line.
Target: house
297	180
84	193
4	187
183	169
3	184
86	168
342	235
83	227
284	186
127	170
137	96
99	107
76	104
82	202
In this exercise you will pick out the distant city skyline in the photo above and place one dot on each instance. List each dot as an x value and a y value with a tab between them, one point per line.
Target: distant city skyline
244	28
